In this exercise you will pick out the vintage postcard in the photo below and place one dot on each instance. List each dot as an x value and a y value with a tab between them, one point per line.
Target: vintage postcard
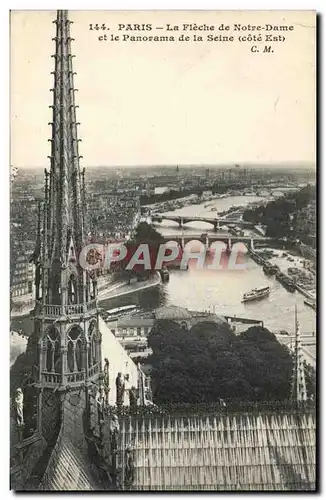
163	251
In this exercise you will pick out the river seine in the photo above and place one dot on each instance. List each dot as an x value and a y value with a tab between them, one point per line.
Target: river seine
220	290
200	289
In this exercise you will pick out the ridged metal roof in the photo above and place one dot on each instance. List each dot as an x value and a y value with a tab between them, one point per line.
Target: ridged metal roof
227	452
256	452
68	470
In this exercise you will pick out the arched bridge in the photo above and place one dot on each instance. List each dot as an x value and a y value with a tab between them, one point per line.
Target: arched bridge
274	191
229	239
215	221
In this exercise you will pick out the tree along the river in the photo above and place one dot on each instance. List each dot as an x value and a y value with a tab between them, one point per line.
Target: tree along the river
209	362
151	239
283	216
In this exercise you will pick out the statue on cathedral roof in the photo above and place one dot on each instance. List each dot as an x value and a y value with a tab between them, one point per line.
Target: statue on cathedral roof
120	387
19	407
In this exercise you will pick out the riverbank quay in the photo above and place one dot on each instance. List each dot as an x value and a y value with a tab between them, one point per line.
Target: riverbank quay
294	267
23	311
306	293
25	321
306	252
290	282
21	306
121	289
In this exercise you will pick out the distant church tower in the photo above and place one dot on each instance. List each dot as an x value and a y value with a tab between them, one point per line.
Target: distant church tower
299	392
66	317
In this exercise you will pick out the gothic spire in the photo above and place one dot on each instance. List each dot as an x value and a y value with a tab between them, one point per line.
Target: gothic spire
299	393
63	221
65	218
65	314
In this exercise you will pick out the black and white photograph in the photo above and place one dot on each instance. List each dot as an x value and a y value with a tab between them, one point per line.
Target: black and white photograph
163	251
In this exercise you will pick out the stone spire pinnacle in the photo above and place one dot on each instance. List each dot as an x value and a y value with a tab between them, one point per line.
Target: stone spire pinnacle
64	216
65	171
299	392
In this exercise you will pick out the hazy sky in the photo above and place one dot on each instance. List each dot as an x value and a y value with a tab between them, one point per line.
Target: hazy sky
168	103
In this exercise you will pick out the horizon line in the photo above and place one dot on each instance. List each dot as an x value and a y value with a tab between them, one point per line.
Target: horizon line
187	165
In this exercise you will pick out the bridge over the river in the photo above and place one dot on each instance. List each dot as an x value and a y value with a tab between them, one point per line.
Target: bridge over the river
208	238
217	222
270	190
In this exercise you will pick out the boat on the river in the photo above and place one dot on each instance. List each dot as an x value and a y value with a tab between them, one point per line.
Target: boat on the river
293	270
287	282
310	303
119	310
270	269
267	254
256	293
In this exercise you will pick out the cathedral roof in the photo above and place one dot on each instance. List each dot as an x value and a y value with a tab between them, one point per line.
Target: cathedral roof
229	452
68	470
